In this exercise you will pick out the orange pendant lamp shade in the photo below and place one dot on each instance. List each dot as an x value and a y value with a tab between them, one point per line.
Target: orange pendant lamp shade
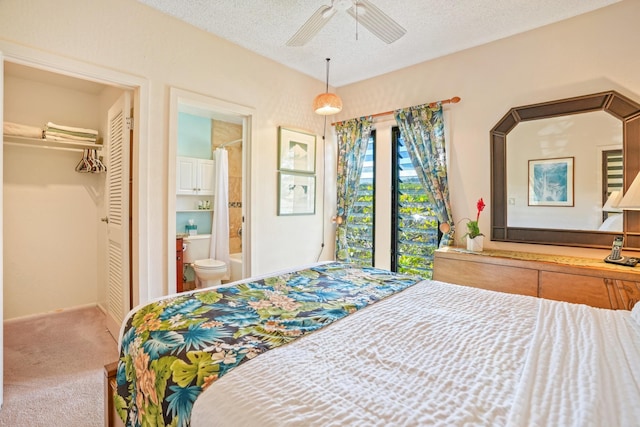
327	103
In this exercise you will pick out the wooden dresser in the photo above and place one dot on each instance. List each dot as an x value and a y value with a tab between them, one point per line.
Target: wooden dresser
557	277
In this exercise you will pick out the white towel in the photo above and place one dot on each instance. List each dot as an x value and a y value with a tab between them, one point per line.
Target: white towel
220	225
16	129
51	125
65	137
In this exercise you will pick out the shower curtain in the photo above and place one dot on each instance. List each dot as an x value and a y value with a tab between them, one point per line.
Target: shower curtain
220	226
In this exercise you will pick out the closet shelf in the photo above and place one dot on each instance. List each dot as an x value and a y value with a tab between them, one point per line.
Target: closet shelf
47	143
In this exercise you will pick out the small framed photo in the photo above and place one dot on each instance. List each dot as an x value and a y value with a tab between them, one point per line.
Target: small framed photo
551	182
297	151
296	194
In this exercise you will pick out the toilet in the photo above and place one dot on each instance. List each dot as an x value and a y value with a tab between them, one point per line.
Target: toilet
209	272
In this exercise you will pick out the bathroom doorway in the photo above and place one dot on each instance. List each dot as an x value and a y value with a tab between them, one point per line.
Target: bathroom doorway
222	125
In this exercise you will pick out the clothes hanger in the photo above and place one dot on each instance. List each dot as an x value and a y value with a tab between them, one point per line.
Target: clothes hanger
90	162
84	166
104	167
101	167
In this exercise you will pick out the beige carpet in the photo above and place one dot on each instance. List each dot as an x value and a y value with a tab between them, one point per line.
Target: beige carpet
53	369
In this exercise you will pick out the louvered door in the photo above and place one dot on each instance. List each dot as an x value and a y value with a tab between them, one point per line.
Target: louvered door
117	202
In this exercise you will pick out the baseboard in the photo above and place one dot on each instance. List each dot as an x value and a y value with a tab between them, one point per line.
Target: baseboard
57	311
102	308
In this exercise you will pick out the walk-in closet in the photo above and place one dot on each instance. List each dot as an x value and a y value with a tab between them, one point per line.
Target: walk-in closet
55	243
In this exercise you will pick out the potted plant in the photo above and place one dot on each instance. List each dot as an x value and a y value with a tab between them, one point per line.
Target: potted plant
475	239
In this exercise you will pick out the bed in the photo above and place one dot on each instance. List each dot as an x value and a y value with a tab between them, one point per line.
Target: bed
334	344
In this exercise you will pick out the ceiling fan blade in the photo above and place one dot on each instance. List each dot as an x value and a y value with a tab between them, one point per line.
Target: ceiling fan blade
310	28
378	22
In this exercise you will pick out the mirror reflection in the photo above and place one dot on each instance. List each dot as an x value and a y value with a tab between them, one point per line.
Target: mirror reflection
556	164
561	170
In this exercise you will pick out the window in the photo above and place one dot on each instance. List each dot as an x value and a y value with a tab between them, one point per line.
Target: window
406	235
360	223
612	164
414	231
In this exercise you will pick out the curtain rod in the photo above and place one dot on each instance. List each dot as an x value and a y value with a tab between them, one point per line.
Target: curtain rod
453	100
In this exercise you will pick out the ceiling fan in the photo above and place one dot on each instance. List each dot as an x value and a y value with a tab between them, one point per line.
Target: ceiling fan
363	11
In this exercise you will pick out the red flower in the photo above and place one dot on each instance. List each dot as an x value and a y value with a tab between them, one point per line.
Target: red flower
480	207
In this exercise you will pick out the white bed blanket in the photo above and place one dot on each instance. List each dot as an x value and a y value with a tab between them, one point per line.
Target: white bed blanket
423	357
583	369
439	354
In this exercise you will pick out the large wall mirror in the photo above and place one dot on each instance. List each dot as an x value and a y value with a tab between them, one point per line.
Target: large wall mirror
554	165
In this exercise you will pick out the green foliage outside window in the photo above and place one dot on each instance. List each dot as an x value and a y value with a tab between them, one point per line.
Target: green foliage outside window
416	234
417	230
360	227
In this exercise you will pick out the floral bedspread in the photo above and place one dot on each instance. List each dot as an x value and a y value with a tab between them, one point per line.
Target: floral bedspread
174	349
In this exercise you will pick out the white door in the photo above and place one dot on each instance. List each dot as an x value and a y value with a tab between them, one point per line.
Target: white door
117	203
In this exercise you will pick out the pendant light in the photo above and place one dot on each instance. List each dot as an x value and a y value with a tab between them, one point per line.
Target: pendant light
327	103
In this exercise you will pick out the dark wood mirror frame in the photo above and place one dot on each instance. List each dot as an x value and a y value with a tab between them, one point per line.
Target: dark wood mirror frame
612	102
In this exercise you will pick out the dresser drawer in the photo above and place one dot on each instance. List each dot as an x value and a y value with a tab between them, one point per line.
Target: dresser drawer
556	277
575	288
494	277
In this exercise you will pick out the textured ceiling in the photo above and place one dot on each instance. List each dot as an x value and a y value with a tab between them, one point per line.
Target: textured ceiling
434	28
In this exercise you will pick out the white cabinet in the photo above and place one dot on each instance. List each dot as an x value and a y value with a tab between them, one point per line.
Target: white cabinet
195	176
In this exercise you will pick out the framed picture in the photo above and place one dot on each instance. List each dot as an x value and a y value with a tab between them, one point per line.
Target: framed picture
297	151
296	194
551	182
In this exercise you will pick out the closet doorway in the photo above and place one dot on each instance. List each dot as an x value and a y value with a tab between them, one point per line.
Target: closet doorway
58	254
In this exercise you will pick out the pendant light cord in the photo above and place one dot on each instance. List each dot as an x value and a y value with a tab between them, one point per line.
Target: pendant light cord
356	8
326	88
324	177
324	165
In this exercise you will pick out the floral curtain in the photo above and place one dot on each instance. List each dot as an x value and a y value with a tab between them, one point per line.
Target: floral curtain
422	128
353	137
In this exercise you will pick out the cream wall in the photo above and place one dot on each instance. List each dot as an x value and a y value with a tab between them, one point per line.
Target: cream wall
590	53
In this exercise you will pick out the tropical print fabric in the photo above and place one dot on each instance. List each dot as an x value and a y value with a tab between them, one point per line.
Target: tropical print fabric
173	349
422	129
353	138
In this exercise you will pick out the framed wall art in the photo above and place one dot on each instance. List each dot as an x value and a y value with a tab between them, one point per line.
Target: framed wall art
296	193
296	151
551	182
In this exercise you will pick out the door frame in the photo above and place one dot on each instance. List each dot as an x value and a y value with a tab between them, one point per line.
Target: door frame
2	228
217	109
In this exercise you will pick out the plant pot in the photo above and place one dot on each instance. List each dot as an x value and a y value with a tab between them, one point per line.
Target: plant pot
475	244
